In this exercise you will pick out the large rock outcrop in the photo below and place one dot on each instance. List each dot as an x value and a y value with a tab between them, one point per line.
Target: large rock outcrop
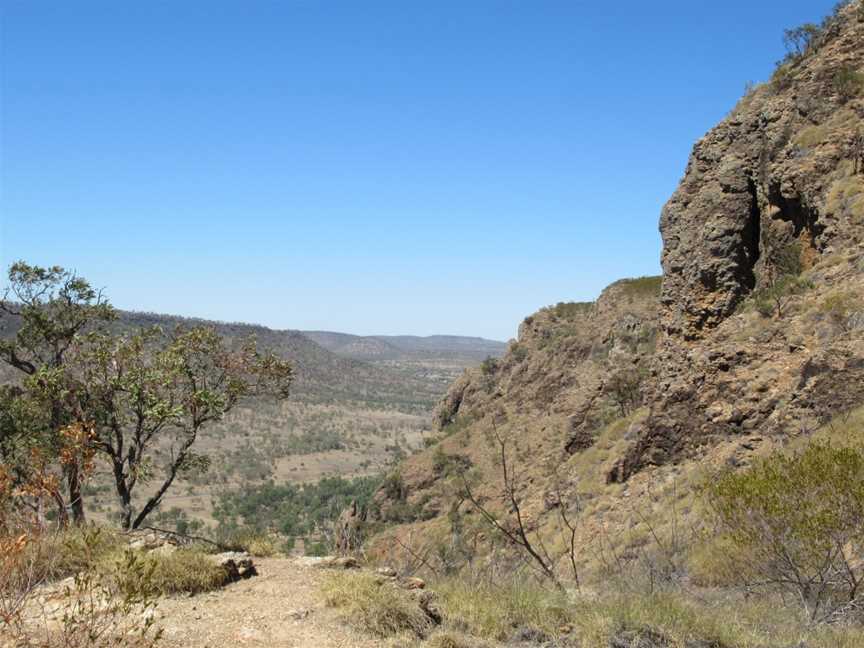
782	171
652	380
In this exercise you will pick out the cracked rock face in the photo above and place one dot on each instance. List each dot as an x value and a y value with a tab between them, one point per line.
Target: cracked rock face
780	169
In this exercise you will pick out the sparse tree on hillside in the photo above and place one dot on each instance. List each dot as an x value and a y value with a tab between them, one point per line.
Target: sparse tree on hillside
149	389
47	309
514	526
781	279
624	386
799	40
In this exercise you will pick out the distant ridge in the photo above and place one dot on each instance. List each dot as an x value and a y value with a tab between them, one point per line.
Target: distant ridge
407	347
338	366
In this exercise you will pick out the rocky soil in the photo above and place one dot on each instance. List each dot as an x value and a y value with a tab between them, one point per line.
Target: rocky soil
279	608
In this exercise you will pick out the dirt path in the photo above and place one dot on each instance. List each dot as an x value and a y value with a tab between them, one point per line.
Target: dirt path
280	607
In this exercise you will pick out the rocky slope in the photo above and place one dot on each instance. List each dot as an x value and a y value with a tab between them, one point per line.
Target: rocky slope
756	336
782	172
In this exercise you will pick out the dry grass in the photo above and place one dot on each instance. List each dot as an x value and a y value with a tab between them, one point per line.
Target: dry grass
185	570
454	639
255	544
476	616
373	606
496	612
104	552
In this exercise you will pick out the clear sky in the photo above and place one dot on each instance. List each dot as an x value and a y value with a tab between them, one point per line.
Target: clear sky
369	167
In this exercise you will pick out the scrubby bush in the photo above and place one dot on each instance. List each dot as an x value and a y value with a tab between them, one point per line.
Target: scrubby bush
795	523
842	310
489	366
800	40
847	83
624	387
781	279
109	602
642	286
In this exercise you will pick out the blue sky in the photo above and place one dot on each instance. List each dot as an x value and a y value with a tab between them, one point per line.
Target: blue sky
368	167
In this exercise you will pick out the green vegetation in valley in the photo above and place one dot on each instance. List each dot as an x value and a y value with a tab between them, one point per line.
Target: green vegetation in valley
292	510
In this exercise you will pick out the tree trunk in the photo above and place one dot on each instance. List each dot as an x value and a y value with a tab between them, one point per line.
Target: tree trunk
153	502
76	499
123	493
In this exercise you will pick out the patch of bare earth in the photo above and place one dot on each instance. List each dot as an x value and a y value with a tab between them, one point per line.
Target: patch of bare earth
280	607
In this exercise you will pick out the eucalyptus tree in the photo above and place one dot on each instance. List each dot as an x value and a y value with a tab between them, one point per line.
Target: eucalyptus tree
152	391
43	314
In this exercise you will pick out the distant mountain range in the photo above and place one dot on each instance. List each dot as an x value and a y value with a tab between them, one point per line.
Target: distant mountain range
407	347
408	373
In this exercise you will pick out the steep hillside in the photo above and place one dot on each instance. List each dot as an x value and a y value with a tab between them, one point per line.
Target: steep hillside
754	341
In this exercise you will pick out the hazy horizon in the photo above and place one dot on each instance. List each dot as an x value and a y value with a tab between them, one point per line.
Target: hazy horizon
377	169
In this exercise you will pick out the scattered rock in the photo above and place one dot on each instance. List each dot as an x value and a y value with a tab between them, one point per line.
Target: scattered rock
643	638
337	562
238	565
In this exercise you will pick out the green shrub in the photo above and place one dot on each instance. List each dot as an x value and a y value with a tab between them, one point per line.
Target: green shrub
489	366
796	524
316	548
771	300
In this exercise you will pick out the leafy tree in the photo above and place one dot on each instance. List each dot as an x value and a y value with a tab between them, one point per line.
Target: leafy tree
152	388
47	309
796	524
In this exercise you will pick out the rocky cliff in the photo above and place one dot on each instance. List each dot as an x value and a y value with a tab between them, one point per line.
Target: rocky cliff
754	337
781	174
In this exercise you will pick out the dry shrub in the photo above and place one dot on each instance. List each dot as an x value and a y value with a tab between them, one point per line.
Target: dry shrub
91	611
795	525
